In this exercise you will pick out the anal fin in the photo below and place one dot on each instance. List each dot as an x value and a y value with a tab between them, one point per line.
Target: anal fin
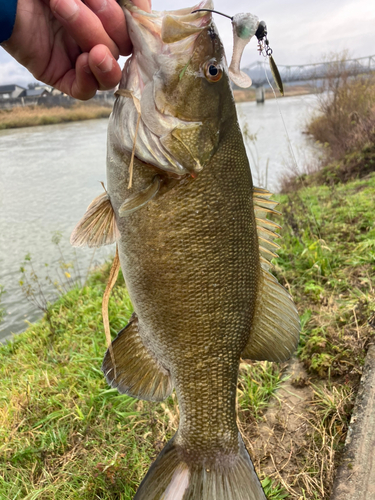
138	373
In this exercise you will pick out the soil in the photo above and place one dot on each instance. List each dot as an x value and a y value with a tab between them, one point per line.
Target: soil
276	442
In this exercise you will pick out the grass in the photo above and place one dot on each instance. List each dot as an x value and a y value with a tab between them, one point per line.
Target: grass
64	434
328	261
30	116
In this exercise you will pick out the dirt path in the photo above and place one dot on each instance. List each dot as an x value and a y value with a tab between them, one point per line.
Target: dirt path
277	441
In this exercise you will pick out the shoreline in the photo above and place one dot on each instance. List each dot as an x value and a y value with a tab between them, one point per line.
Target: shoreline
34	115
68	409
31	116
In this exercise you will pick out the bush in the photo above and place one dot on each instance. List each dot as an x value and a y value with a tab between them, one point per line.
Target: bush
346	110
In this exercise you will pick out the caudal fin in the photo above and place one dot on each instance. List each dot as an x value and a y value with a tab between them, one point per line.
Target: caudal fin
227	478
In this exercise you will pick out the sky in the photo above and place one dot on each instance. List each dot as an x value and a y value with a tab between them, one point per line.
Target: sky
299	31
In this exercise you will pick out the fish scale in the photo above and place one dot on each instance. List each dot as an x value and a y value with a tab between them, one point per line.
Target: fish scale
186	222
191	294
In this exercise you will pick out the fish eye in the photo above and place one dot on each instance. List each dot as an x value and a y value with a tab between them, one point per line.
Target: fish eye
213	71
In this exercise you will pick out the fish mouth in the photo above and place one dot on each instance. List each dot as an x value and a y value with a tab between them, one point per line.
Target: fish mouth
163	43
157	36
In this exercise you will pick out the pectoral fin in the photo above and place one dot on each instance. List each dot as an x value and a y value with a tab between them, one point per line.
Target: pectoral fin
140	199
138	373
275	330
98	226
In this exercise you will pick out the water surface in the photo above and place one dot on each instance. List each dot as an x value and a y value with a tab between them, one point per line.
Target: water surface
49	175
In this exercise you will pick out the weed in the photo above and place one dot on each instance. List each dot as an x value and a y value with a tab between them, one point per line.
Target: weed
257	383
273	491
260	173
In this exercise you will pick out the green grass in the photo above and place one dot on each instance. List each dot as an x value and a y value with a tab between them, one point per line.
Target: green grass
65	434
328	259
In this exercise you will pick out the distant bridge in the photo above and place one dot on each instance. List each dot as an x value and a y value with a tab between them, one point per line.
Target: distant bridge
306	72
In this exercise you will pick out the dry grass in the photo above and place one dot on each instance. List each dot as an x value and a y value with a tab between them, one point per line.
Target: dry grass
345	126
29	116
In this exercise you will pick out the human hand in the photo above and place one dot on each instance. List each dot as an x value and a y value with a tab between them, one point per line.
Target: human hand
71	45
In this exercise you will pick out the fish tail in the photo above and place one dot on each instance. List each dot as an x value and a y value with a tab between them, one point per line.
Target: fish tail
173	477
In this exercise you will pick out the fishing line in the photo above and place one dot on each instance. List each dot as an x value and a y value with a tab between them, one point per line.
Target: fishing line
282	119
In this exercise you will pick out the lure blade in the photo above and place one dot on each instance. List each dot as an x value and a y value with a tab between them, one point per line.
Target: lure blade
276	75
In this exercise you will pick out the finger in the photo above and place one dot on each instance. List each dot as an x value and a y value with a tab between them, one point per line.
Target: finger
85	85
113	19
104	67
82	24
80	82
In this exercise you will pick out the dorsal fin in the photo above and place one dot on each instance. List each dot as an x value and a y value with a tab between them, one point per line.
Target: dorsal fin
275	330
98	226
263	206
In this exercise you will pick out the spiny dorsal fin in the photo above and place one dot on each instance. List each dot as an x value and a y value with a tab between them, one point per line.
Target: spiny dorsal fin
275	331
98	226
263	205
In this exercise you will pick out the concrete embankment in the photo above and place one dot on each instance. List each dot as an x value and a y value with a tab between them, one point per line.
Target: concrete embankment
355	478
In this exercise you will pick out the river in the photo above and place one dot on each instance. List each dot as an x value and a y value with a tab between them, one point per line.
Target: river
49	174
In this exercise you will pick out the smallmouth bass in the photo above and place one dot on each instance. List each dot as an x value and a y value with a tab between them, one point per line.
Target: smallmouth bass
195	247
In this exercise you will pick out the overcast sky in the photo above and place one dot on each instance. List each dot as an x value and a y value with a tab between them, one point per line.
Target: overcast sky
299	31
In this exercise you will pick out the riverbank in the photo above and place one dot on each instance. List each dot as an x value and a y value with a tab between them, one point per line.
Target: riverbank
248	95
66	435
30	116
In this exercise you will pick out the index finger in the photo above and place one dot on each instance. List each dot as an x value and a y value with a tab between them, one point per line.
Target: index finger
112	17
83	25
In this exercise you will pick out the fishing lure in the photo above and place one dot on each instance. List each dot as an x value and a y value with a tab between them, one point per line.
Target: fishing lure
265	50
245	26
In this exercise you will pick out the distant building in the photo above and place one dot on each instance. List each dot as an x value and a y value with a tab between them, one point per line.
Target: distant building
40	92
9	91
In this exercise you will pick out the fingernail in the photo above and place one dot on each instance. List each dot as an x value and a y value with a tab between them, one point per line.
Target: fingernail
86	69
98	5
106	64
66	8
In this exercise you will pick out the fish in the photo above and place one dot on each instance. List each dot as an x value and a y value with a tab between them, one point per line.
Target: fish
195	245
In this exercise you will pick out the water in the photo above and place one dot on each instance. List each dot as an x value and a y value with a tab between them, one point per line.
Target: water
272	147
49	174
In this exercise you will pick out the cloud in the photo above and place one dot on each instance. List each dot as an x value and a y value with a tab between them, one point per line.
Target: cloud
12	72
299	32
